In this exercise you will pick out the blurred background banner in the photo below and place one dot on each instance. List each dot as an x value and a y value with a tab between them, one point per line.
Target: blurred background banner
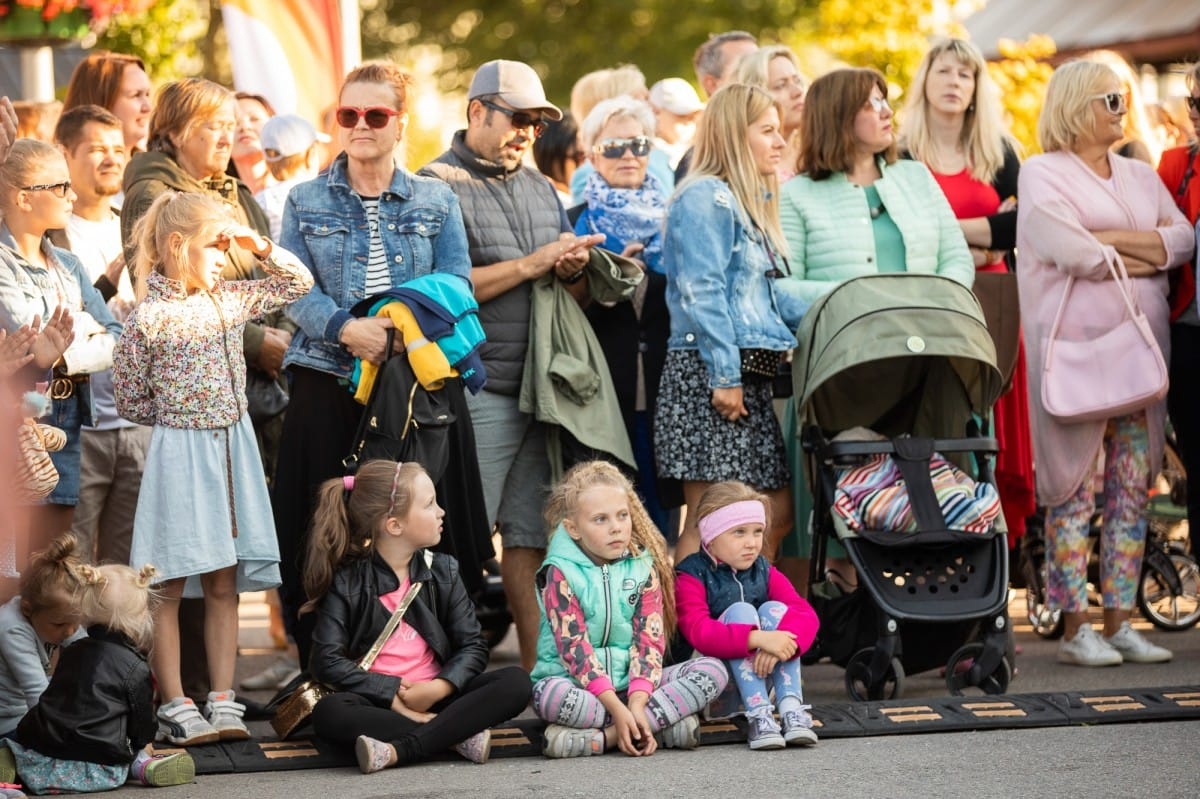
293	52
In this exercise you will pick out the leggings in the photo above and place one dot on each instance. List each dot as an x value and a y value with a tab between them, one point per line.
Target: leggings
489	699
684	690
1123	538
785	679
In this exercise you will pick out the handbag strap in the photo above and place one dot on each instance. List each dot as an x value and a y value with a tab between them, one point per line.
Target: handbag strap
350	462
1124	285
390	627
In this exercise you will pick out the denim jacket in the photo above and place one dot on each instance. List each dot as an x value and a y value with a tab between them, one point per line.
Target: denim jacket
325	225
718	292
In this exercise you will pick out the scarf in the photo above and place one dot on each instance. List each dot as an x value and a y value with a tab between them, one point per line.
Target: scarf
625	216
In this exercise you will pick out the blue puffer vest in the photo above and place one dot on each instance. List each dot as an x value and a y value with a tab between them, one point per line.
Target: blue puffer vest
723	586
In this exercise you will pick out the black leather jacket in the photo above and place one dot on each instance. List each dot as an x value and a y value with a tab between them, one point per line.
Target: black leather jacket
99	706
351	617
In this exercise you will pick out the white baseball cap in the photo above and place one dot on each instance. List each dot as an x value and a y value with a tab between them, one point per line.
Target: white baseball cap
675	95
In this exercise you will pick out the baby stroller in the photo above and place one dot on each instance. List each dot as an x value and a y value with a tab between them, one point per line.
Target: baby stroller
909	357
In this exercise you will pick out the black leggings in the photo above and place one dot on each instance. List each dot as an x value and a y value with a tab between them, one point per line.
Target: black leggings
489	699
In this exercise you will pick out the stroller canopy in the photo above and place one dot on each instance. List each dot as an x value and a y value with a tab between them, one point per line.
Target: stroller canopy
898	353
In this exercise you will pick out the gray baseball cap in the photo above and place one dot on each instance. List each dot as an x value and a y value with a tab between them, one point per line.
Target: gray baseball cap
516	84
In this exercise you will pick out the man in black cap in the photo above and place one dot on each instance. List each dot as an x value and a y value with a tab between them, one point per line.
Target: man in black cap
517	231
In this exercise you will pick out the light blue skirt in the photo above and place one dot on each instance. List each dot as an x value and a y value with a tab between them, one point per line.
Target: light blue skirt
185	524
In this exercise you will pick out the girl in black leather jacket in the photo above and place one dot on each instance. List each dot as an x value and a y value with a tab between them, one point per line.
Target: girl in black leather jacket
427	690
92	727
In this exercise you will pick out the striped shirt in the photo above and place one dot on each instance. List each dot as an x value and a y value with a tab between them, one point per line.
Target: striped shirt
379	276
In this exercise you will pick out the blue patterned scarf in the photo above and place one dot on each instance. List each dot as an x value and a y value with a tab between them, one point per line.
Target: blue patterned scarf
628	215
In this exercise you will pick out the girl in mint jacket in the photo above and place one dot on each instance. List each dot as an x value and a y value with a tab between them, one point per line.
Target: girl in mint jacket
606	591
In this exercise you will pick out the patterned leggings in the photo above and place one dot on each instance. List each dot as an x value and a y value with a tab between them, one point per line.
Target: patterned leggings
785	679
1123	538
684	690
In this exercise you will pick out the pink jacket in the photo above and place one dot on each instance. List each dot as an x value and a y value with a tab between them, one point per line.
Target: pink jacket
1061	201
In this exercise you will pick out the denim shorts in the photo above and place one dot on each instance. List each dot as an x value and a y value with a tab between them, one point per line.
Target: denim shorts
514	467
69	416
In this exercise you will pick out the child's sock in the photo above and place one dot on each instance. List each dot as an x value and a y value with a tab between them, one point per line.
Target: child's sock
790	703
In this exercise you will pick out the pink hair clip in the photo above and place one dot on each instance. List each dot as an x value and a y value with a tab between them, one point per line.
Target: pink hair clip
348	482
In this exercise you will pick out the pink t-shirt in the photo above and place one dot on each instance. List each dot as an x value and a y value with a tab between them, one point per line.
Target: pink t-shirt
405	654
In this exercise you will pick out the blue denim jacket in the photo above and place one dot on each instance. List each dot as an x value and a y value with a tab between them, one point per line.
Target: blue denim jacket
325	225
718	292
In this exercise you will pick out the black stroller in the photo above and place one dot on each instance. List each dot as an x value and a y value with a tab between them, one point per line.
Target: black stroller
909	357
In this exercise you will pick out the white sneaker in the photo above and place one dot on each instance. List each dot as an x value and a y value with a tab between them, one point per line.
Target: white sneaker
273	677
224	713
1088	649
1134	647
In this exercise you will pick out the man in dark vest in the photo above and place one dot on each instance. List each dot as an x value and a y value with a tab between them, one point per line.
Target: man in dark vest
517	231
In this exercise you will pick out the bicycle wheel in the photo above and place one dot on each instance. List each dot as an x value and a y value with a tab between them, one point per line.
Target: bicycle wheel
1165	608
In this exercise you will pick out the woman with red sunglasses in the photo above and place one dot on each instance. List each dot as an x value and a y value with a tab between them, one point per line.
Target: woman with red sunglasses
363	227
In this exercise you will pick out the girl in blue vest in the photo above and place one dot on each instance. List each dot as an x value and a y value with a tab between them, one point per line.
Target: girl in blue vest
607	596
734	605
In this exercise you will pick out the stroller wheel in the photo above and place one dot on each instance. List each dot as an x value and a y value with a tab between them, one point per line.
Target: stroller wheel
958	672
861	687
1166	608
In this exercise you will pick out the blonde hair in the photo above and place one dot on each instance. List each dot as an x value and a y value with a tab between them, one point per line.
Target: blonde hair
1066	110
25	158
180	106
984	138
191	214
722	152
564	502
753	67
51	578
120	599
719	495
1136	123
345	522
604	84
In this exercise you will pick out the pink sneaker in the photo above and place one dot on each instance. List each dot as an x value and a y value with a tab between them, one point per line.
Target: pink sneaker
477	748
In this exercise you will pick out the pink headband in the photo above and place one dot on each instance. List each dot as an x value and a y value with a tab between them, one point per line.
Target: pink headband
723	519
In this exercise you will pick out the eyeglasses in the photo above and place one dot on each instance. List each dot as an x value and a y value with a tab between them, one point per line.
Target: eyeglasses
1193	103
520	119
615	148
1114	102
880	104
377	116
57	189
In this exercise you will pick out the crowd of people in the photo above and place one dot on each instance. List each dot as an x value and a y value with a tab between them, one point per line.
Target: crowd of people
203	292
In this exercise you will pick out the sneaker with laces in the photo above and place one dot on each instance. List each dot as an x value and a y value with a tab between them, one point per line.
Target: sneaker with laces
683	734
224	713
1134	647
477	748
273	677
180	723
1088	649
373	755
161	770
560	741
797	727
764	732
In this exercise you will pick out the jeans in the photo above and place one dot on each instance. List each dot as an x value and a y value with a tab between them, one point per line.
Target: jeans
785	678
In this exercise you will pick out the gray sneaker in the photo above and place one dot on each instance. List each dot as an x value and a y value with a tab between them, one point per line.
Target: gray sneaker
683	734
225	715
180	723
797	727
764	732
561	741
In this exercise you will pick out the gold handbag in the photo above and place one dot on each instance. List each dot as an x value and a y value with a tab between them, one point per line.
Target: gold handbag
297	706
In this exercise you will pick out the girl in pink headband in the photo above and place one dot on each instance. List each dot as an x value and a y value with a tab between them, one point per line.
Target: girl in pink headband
734	605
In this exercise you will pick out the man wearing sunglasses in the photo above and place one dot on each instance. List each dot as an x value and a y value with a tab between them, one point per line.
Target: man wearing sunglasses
517	231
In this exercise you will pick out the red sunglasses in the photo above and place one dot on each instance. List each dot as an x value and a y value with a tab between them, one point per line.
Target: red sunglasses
377	116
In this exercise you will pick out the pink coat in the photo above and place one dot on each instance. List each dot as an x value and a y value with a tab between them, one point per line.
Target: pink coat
1061	201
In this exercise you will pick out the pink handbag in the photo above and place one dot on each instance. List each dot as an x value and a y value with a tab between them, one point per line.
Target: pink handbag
1127	360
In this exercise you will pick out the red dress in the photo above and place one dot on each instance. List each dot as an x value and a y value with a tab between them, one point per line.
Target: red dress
1014	465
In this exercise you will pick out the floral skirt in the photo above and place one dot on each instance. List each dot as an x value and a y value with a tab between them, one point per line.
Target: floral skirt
42	775
693	442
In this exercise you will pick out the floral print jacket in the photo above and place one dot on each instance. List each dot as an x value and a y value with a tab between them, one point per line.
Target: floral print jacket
179	362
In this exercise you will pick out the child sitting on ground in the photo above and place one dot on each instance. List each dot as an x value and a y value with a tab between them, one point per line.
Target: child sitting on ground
736	606
606	592
426	692
92	728
33	625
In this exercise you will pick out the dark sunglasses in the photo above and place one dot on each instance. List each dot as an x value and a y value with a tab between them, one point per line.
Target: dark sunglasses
1114	102
520	119
377	116
615	148
57	189
1193	103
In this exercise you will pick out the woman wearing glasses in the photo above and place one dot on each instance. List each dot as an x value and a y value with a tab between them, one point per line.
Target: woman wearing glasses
730	325
1084	210
363	227
37	280
627	205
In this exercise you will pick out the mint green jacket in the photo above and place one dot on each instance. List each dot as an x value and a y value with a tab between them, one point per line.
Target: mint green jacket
827	224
